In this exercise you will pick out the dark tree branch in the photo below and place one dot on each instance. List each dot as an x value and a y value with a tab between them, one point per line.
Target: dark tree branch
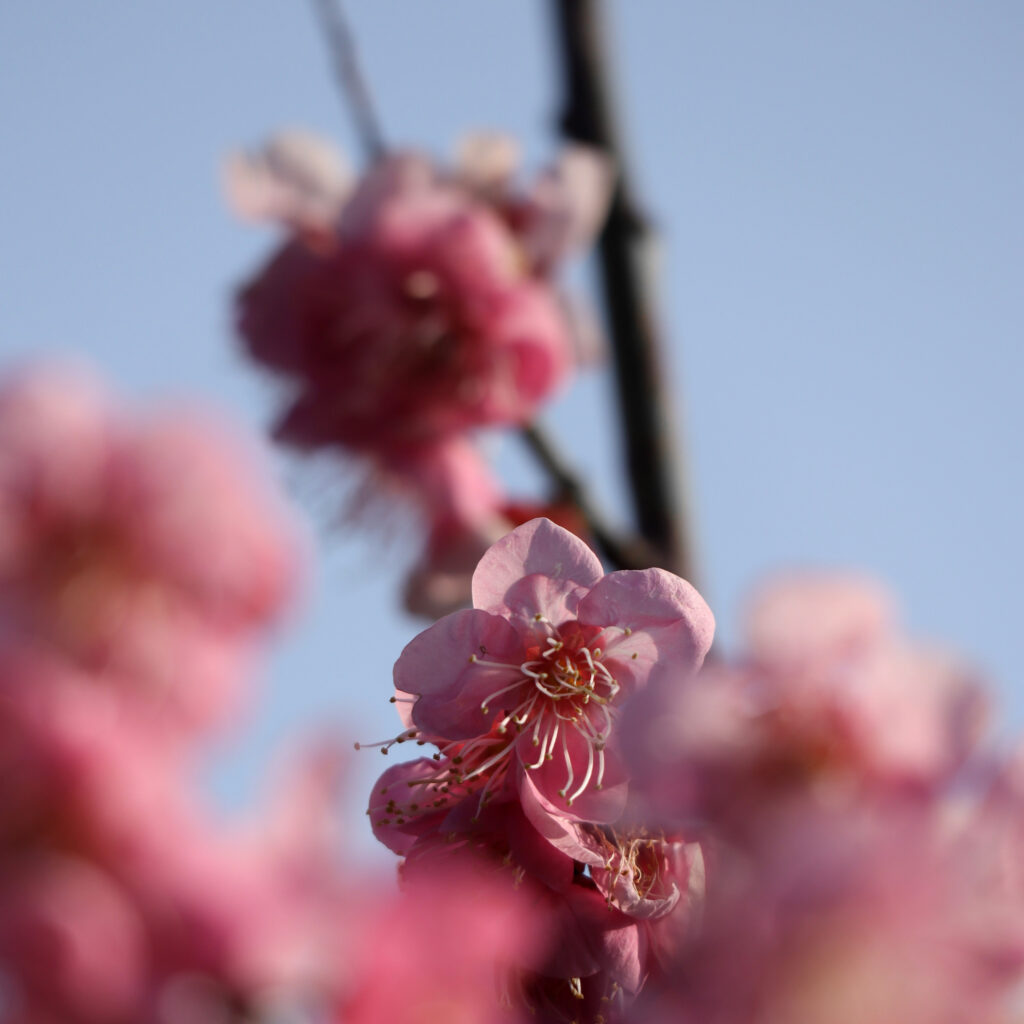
623	256
347	73
620	552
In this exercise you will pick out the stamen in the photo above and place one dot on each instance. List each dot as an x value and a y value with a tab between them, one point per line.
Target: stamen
484	792
546	746
474	660
485	703
586	778
385	745
520	714
568	766
554	695
489	762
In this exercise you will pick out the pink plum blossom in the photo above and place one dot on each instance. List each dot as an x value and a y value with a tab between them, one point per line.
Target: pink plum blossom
147	549
830	699
526	686
414	321
830	648
839	916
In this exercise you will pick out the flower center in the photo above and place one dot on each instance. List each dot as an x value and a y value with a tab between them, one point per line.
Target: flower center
564	690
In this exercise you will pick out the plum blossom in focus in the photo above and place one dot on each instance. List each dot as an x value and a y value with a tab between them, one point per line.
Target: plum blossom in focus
524	688
520	695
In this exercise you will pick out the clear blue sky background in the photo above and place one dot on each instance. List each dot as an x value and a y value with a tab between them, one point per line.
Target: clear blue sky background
838	189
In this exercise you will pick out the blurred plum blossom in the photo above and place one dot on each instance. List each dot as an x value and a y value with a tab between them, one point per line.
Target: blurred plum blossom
412	307
147	549
835	777
143	558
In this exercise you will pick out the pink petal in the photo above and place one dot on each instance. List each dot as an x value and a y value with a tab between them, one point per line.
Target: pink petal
538	546
565	834
451	667
530	332
72	937
808	617
504	825
568	205
399	805
540	787
659	604
297	178
556	601
401	176
594	938
486	162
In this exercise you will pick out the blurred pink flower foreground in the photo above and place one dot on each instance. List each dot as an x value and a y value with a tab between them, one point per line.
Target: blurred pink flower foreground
146	548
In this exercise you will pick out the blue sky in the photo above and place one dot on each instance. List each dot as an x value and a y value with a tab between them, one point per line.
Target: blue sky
838	193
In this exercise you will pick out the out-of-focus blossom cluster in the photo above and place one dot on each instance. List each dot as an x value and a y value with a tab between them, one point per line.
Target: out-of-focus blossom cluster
862	846
811	833
409	309
142	561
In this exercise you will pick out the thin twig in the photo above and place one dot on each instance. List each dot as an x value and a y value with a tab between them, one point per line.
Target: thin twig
351	82
621	552
625	266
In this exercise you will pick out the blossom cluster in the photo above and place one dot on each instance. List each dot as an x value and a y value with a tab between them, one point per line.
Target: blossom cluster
143	559
810	833
411	308
863	843
521	696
